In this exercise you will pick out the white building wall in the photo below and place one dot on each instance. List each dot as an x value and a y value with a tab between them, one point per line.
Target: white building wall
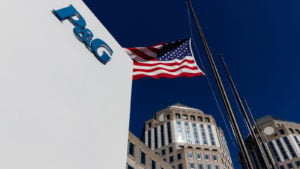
57	102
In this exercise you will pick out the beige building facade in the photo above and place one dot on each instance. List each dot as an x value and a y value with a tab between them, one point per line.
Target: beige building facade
186	138
139	156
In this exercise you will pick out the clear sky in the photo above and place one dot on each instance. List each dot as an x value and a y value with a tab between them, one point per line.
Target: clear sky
260	41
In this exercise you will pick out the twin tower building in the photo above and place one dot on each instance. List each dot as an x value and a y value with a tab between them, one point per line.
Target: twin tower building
179	137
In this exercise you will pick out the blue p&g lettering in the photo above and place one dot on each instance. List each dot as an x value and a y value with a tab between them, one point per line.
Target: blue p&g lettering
83	34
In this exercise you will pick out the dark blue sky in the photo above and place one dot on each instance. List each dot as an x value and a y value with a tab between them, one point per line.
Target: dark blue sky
260	41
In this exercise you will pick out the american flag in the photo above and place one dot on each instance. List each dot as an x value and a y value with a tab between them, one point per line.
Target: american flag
169	60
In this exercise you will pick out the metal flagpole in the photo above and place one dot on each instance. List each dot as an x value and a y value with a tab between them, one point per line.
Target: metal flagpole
237	96
263	142
225	99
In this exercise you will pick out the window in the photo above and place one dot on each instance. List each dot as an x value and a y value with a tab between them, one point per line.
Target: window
163	152
208	166
200	119
187	132
207	119
169	132
298	164
217	167
215	158
180	166
177	116
153	164
149	138
170	149
131	149
143	158
168	117
179	132
192	165
190	154
203	134
281	131
129	166
198	156
206	157
184	117
196	136
291	130
162	135
171	159
193	118
155	138
212	139
281	167
200	166
178	156
290	166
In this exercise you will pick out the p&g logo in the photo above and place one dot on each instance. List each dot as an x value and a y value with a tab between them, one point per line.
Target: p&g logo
83	34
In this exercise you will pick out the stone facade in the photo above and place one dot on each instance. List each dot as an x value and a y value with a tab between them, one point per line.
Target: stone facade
187	138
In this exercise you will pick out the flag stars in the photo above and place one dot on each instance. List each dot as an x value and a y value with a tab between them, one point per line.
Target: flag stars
175	50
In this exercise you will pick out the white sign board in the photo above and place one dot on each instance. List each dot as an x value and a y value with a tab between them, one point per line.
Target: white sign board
60	107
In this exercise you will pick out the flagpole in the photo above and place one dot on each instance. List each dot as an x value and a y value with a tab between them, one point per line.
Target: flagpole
263	142
241	105
225	99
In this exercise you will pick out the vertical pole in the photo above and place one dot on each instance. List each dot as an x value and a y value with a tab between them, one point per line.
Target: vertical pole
225	99
237	96
263	142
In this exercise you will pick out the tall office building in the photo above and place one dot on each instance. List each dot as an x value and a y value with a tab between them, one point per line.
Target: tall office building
282	138
187	138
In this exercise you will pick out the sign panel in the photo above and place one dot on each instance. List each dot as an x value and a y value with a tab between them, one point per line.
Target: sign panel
64	94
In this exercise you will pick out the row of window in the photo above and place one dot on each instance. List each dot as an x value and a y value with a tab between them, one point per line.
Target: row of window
206	156
281	148
171	158
131	148
281	131
294	130
190	155
153	165
195	133
192	117
142	156
201	166
290	165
